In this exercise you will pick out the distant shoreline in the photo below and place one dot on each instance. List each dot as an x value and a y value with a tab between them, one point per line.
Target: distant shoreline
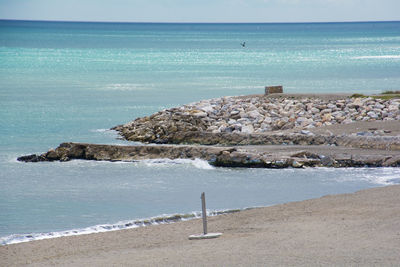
201	23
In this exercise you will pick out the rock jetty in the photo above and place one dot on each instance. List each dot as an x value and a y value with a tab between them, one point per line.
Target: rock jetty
259	119
239	156
258	132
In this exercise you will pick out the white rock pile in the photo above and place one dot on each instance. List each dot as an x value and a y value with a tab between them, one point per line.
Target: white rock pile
261	114
256	115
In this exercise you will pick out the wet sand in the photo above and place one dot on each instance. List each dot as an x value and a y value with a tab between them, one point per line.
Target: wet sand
360	229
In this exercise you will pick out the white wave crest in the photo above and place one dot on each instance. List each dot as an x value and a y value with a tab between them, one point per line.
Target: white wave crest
390	176
163	219
385	176
201	164
197	163
126	87
101	130
378	57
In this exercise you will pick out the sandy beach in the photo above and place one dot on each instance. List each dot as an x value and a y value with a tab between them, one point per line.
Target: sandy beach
359	229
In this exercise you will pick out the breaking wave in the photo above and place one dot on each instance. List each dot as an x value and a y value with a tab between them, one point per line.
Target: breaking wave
378	57
379	176
197	163
129	224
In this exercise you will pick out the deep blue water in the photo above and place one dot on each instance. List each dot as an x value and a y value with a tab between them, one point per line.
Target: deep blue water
63	81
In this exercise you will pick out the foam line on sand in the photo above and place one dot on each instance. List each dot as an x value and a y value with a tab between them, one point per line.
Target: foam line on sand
362	228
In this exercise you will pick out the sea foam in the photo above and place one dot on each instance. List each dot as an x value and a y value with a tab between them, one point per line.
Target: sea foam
126	87
378	57
197	163
129	224
386	176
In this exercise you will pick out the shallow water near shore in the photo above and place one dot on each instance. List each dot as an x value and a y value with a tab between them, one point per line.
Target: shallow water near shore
52	197
64	82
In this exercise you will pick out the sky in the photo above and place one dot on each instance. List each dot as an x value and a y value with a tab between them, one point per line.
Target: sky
202	10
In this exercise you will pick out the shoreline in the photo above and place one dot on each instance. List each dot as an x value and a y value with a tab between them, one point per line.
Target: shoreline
118	226
357	228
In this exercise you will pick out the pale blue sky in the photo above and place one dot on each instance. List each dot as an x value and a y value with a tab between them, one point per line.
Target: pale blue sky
202	10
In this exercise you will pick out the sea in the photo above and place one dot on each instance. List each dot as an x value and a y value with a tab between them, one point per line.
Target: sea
73	81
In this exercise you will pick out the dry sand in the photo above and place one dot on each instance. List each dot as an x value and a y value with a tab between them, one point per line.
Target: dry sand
359	229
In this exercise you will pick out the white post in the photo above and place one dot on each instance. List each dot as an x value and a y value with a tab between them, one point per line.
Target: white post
205	234
204	212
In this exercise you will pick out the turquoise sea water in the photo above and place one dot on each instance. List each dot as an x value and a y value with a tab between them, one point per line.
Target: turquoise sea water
73	81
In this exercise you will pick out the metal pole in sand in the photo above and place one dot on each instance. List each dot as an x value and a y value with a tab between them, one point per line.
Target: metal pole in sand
204	212
205	234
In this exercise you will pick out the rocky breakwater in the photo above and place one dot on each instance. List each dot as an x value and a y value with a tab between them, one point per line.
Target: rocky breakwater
263	119
71	151
267	132
240	156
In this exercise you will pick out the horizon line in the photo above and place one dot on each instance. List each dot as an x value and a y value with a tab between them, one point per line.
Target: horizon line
193	22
